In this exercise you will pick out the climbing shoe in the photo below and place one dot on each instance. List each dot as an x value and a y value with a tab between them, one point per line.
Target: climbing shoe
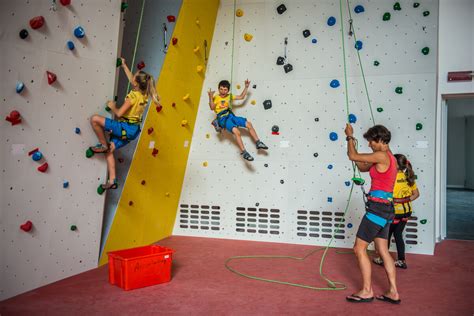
261	145
246	156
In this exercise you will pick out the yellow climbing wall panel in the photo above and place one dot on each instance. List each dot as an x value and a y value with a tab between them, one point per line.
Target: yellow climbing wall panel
147	208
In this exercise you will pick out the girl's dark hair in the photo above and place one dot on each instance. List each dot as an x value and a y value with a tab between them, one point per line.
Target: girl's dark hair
225	84
405	165
378	133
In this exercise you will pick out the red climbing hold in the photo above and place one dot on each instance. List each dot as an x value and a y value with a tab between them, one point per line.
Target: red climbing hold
154	152
143	182
51	77
171	18
14	117
43	167
173	105
159	108
130	203
141	65
33	151
37	22
174	41
120	160
27	226
65	2
150	130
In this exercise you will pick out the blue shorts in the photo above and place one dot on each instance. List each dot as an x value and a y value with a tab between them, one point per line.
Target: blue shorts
121	133
230	121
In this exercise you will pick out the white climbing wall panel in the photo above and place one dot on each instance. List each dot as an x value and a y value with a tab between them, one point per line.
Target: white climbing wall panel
50	114
290	194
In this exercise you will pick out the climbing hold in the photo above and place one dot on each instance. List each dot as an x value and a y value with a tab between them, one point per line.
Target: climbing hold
197	22
316	119
73	228
143	182
416	4
141	65
280	61
23	34
89	153
334	83
118	63
399	90
331	21
419	126
120	160
359	9
380	110
123	6
184	123
330	167
257	204
150	130
349	225
130	203
167	194
425	50
358	45
79	32
186	97
315	155
267	104
70	45
51	77
159	108
174	41
265	165
275	130
65	184
19	86
386	16
154	152
173	104
333	136
27	226
423	221
77	130
376	63
288	68
426	13
239	13
100	189
397	6
352	118
254	86
306	33
65	2
282	181
204	164
208	135
199	69
329	199
237	86
14	118
171	18
37	155
248	37
314	41
43	167
37	22
347	183
281	8
196	49
253	102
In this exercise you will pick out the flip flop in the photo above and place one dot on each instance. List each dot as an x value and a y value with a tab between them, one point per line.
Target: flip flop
388	299
357	299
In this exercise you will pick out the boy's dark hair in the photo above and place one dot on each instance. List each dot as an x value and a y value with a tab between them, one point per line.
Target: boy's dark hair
405	166
378	133
225	84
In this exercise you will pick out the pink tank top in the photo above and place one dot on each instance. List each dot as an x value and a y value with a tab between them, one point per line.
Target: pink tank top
384	181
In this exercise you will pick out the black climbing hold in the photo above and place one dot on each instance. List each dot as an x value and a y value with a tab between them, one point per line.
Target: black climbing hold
265	165
386	16
288	68
267	104
306	33
280	61
315	155
281	181
419	126
254	86
376	63
399	90
257	204
316	119
426	13
397	6
425	50
380	110
23	34
275	129
416	5
281	8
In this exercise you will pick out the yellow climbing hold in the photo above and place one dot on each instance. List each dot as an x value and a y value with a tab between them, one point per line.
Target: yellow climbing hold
248	37
186	97
208	135
199	68
197	22
253	102
239	13
204	164
184	122
167	194
196	49
238	86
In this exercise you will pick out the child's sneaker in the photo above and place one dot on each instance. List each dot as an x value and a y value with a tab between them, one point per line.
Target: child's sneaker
401	264
246	156
378	261
261	145
215	123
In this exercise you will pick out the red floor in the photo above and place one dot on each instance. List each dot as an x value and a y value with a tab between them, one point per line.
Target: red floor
433	285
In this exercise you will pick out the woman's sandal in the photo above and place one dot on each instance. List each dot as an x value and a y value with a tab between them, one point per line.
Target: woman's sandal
110	185
99	149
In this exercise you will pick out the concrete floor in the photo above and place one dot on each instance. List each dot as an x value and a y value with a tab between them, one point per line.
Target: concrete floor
460	214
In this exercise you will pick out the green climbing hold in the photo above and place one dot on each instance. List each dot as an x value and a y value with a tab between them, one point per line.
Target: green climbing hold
100	190
107	108
386	16
397	6
399	90
376	63
416	4
124	6
423	221
73	227
380	110
116	98
419	126
425	50
426	13
118	62
89	153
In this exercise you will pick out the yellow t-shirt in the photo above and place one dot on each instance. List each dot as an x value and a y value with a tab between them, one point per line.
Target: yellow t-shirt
402	190
222	103
135	112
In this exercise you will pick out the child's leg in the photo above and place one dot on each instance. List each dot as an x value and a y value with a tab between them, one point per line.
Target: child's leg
98	123
399	240
109	157
390	234
252	131
238	138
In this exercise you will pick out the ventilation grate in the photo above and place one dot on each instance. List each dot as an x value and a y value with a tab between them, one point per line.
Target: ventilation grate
257	220
203	217
318	224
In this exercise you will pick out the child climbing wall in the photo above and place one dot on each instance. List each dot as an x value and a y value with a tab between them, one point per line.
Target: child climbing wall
51	215
294	54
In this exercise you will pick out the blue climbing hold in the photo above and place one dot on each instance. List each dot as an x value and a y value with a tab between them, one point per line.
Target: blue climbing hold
331	21
37	156
349	225
314	41
330	167
359	9
19	86
65	184
70	45
352	118
348	183
334	83
358	45
77	130
330	199
333	136
79	32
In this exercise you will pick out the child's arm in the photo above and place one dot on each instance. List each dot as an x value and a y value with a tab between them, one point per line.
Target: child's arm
212	105
119	111
127	71
244	92
414	195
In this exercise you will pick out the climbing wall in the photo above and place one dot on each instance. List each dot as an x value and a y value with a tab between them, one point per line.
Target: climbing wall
296	192
147	207
61	203
151	51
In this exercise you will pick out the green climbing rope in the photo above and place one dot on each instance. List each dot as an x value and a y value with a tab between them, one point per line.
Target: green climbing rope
232	55
136	43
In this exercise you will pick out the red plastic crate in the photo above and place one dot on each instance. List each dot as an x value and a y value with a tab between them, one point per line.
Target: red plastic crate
139	267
